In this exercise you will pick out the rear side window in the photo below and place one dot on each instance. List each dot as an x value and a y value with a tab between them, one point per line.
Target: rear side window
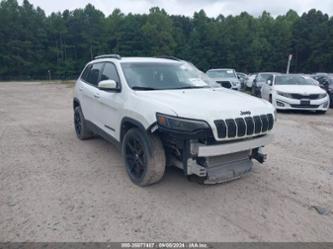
93	73
110	73
85	73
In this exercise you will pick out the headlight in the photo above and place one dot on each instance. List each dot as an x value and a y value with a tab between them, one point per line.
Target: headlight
180	124
287	95
323	95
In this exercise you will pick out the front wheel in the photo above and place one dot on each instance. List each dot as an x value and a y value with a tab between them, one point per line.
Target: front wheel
144	157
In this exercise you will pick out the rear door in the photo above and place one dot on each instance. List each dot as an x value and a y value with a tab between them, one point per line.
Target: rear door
90	92
266	87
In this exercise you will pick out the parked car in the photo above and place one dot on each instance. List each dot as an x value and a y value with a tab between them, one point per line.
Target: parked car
249	81
227	78
326	83
291	91
160	113
243	78
259	81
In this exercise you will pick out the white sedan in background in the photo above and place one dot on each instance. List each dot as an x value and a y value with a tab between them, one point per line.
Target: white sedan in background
295	92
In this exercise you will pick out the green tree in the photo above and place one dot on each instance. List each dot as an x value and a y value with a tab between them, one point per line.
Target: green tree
33	44
157	32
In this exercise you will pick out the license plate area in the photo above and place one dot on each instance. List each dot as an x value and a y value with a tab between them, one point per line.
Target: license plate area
305	102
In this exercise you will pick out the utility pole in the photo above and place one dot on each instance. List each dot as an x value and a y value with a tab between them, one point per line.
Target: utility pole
49	72
289	62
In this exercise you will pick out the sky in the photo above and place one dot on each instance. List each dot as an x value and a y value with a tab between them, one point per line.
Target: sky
187	7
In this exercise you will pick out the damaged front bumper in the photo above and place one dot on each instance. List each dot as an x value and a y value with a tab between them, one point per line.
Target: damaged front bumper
227	162
222	162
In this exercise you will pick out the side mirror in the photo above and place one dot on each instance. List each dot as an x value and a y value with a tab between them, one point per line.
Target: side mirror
107	85
269	82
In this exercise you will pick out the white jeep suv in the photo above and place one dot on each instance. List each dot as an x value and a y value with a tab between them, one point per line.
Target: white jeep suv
161	113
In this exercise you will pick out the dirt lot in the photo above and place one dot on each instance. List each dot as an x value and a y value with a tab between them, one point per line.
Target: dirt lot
54	187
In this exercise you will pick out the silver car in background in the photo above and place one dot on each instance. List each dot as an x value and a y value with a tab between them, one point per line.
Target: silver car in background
226	77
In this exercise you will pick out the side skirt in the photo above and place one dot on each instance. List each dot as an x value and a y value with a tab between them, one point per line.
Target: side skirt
98	131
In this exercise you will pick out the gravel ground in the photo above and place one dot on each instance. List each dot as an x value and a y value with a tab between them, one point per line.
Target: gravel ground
54	187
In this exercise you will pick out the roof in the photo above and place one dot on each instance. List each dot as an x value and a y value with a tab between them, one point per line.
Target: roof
139	59
269	73
218	69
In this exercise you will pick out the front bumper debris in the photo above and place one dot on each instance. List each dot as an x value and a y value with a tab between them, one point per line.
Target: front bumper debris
202	150
222	163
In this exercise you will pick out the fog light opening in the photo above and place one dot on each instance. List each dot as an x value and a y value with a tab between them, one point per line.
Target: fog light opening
278	103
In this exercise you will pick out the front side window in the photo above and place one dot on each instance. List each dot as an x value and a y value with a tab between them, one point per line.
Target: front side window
162	76
93	74
110	73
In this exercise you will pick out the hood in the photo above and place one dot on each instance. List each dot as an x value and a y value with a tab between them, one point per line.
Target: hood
207	104
299	89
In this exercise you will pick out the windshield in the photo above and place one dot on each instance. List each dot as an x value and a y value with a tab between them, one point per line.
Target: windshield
311	80
222	73
163	76
264	77
292	80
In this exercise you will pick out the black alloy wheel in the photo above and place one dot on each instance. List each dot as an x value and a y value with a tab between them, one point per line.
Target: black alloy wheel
77	123
136	161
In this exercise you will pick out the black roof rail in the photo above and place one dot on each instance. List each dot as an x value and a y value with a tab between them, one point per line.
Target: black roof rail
168	57
105	56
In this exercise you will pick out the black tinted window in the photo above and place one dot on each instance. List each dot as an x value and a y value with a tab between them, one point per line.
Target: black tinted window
93	74
85	73
110	73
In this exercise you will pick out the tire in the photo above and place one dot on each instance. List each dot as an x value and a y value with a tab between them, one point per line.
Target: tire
80	125
144	157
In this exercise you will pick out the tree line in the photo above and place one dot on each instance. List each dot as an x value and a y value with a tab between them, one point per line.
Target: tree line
36	46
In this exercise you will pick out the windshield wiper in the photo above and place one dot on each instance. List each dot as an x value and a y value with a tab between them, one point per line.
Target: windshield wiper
144	88
191	87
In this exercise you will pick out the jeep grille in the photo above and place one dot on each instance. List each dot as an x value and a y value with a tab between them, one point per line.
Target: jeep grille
248	126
